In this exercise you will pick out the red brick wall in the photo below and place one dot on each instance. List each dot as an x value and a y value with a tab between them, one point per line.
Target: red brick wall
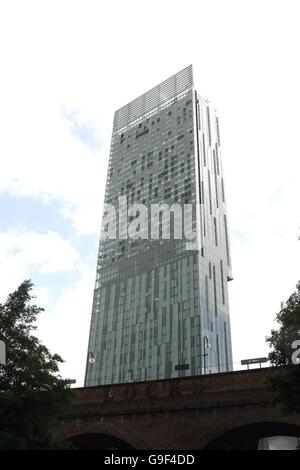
186	413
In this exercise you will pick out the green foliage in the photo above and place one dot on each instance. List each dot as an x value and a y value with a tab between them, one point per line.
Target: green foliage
32	393
284	383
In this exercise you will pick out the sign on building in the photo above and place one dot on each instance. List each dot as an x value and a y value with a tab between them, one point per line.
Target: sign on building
256	360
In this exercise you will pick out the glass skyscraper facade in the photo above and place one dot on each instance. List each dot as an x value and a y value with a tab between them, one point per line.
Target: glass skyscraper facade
160	306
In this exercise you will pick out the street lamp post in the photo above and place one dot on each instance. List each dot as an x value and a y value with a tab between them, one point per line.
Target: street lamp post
91	358
206	346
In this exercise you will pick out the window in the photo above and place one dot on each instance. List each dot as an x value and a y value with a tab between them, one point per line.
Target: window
226	239
207	301
203	146
209	191
208	125
218	132
222	282
222	186
215	291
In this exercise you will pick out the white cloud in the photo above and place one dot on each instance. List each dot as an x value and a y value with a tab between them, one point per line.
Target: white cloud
44	160
266	269
64	328
42	296
23	253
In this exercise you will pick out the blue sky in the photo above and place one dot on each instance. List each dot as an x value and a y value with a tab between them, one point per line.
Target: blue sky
66	67
30	213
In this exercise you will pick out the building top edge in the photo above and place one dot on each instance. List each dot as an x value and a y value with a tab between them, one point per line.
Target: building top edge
166	90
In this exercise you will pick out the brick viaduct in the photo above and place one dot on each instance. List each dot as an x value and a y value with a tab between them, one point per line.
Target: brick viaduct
219	411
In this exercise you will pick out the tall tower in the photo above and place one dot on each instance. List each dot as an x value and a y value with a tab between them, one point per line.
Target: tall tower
160	306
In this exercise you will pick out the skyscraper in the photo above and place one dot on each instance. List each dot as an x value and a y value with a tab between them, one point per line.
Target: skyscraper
160	304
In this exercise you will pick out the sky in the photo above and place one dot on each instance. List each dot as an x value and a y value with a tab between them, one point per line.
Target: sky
66	66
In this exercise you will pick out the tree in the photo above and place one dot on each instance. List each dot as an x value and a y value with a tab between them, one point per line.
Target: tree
32	393
284	382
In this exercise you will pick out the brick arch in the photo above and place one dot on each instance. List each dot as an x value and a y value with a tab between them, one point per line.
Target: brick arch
248	418
69	430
